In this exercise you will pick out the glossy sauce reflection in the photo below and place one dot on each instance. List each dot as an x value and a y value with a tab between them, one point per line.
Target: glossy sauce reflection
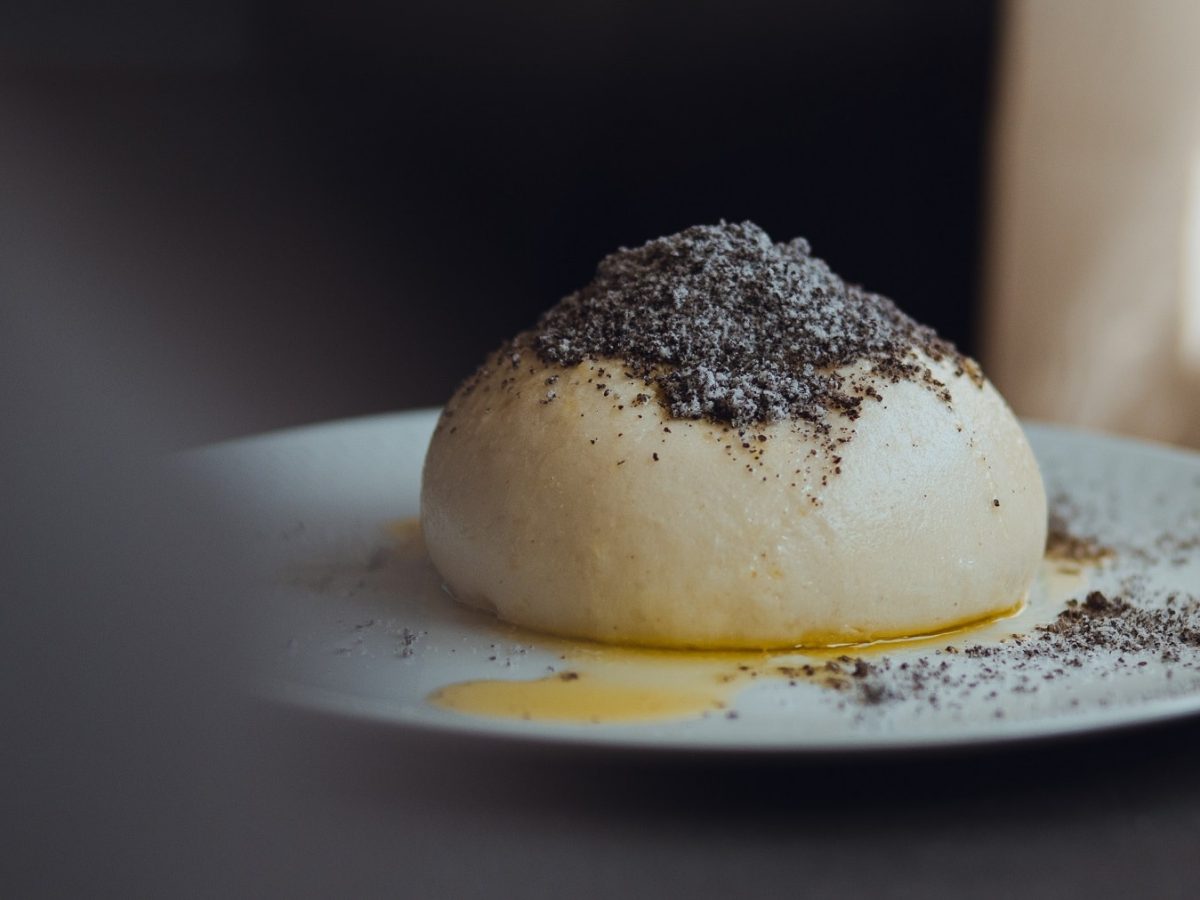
605	684
588	697
609	684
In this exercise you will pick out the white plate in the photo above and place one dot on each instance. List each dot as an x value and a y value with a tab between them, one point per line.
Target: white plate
346	620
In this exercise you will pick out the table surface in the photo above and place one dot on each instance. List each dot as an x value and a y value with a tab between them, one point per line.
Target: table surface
369	809
128	775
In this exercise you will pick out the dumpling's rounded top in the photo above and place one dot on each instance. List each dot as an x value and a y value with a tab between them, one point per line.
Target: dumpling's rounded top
734	328
718	443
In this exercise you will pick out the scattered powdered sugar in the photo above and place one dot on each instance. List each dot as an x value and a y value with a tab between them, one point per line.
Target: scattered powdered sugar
734	328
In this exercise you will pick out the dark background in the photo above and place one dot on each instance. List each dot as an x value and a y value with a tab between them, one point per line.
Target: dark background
284	212
221	218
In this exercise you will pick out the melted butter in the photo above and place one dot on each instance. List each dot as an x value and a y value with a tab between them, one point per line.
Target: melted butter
621	684
972	628
611	683
408	541
589	697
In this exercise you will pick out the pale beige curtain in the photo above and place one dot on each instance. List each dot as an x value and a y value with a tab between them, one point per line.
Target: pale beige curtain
1092	314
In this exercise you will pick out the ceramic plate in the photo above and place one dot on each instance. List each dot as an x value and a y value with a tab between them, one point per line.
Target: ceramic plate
347	616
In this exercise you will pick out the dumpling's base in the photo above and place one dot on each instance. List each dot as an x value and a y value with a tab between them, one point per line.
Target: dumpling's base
568	501
811	641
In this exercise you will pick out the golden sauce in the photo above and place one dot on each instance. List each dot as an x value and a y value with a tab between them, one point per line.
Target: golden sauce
589	697
616	684
932	639
406	533
608	683
604	683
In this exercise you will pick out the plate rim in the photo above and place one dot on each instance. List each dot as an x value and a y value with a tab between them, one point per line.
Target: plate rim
325	702
647	737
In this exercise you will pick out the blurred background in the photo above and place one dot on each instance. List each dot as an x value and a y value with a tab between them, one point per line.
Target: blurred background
224	217
249	215
259	214
262	214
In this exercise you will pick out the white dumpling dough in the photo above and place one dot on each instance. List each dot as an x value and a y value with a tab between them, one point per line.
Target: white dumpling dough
555	513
